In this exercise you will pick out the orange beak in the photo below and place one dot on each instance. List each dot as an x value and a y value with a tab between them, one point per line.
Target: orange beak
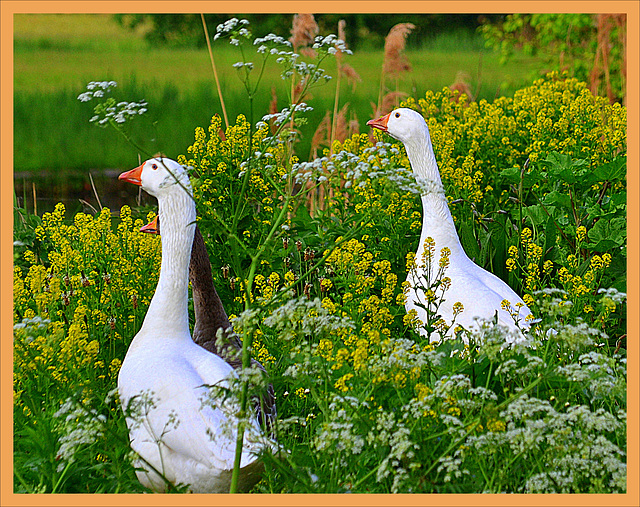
152	227
133	176
380	123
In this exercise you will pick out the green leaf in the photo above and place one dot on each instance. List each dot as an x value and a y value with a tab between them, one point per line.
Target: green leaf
513	175
557	198
613	171
560	167
468	240
607	234
537	214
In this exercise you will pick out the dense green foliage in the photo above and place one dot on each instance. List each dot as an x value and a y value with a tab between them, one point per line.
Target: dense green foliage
354	381
590	46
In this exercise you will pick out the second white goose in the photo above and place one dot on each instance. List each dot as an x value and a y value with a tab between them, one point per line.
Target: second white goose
480	292
164	382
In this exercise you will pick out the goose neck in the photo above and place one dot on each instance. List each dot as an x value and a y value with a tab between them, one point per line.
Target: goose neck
168	308
437	221
423	160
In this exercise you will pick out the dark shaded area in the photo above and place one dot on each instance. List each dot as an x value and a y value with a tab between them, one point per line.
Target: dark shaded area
363	30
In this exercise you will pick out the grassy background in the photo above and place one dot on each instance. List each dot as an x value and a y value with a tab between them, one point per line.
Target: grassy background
55	56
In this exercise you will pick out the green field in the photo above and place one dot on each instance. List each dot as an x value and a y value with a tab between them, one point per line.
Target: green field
57	55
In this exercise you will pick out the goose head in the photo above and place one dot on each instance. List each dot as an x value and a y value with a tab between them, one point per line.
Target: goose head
403	124
158	176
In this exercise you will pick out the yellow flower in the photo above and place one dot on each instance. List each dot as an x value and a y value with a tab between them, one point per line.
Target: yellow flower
581	233
114	367
341	385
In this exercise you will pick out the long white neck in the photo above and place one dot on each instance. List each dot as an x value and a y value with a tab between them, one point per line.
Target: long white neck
168	308
437	222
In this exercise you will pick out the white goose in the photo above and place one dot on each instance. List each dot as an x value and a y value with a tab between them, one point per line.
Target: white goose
165	374
480	292
210	316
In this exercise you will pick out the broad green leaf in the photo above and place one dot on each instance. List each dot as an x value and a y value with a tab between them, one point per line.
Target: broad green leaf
468	240
561	167
614	171
607	234
557	198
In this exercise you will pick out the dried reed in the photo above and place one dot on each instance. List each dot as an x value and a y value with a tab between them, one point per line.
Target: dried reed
395	62
461	85
303	33
606	24
215	72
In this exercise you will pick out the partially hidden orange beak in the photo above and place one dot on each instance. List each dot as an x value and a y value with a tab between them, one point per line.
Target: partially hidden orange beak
133	176
380	123
152	227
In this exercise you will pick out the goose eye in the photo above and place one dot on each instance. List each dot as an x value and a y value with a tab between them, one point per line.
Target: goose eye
154	166
397	115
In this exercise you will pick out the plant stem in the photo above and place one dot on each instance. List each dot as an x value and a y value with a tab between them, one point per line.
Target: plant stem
215	72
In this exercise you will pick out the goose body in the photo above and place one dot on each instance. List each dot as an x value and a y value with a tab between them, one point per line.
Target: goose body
210	316
480	292
177	424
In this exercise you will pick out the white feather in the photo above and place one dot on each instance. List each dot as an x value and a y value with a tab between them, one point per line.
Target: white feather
176	432
480	292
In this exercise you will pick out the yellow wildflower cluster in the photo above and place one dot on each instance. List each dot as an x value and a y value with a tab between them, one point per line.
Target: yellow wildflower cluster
475	140
218	158
579	286
372	295
94	291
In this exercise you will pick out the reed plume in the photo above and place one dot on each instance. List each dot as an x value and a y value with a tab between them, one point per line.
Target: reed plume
606	24
461	85
320	136
303	33
389	102
349	72
273	109
395	62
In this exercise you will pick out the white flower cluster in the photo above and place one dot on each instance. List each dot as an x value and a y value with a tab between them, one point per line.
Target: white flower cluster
270	39
337	435
241	65
450	465
615	295
225	397
96	89
391	432
576	451
36	324
300	317
355	170
230	26
79	426
332	44
597	373
578	336
286	113
120	112
315	170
